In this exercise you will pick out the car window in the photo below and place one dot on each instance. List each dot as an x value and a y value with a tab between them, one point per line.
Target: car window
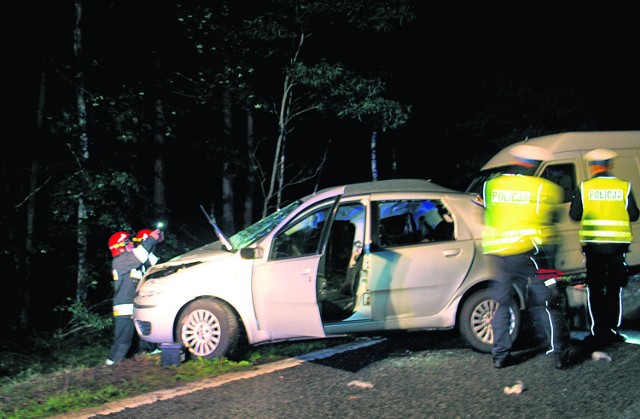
404	222
263	227
563	175
302	236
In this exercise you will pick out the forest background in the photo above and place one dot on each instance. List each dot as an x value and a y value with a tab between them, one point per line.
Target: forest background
126	113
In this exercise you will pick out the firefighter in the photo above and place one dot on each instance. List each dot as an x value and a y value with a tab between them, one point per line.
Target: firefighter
605	207
519	237
142	345
138	239
126	269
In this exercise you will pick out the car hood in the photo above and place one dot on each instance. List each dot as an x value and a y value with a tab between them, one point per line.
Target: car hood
206	253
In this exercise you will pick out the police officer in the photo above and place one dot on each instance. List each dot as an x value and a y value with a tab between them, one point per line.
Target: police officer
126	264
519	236
605	207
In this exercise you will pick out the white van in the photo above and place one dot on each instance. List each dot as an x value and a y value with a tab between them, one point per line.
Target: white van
568	168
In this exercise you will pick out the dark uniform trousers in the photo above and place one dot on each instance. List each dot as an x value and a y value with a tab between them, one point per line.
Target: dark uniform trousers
124	333
545	303
606	276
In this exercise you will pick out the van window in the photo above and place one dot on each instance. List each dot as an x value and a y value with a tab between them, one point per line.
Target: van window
563	175
477	183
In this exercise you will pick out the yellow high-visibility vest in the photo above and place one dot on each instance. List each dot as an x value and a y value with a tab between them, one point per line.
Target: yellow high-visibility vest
520	213
604	211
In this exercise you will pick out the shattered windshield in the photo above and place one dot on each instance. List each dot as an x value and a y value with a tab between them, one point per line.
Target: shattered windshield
260	229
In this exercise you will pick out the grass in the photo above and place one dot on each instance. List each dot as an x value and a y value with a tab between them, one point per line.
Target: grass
50	379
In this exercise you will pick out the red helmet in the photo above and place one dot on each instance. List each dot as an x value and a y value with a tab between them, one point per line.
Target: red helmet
117	242
142	235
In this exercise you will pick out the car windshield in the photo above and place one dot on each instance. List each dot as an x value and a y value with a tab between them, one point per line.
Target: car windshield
478	182
258	230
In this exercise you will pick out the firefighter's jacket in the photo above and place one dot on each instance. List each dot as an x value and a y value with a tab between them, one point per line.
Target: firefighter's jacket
127	272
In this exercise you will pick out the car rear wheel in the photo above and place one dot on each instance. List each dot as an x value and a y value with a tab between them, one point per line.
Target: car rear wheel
475	321
208	329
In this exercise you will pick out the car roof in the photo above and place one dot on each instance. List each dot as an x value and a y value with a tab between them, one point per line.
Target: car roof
384	186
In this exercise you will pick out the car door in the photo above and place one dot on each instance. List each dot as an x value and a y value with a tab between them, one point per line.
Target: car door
412	273
342	269
284	287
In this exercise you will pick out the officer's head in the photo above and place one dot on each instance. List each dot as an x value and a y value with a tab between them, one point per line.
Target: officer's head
528	157
599	160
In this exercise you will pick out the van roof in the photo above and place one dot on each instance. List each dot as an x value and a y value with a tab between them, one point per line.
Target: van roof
572	141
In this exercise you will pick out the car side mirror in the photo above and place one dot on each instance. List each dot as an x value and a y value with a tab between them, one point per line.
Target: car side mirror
251	253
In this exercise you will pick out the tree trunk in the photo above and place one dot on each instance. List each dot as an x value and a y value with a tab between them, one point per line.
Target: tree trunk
159	140
159	192
278	149
82	279
281	172
277	171
251	178
394	165
31	208
374	158
228	220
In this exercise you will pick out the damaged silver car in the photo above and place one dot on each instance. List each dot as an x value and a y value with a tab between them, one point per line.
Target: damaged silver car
402	254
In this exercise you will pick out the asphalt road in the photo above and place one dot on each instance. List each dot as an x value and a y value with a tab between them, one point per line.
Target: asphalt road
413	375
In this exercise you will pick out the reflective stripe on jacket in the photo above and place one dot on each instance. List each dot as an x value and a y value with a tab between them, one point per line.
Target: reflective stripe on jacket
519	213
605	218
123	310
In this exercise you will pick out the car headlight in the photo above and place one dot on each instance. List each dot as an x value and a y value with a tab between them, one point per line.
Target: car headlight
151	287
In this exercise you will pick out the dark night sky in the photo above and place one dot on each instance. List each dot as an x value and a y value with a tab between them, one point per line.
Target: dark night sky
453	66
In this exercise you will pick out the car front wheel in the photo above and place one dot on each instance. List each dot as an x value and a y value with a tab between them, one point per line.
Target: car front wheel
208	329
475	321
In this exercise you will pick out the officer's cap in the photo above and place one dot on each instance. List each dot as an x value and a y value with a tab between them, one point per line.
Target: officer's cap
530	153
599	156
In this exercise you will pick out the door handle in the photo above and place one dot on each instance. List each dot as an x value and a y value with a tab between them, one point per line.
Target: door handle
450	252
304	272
